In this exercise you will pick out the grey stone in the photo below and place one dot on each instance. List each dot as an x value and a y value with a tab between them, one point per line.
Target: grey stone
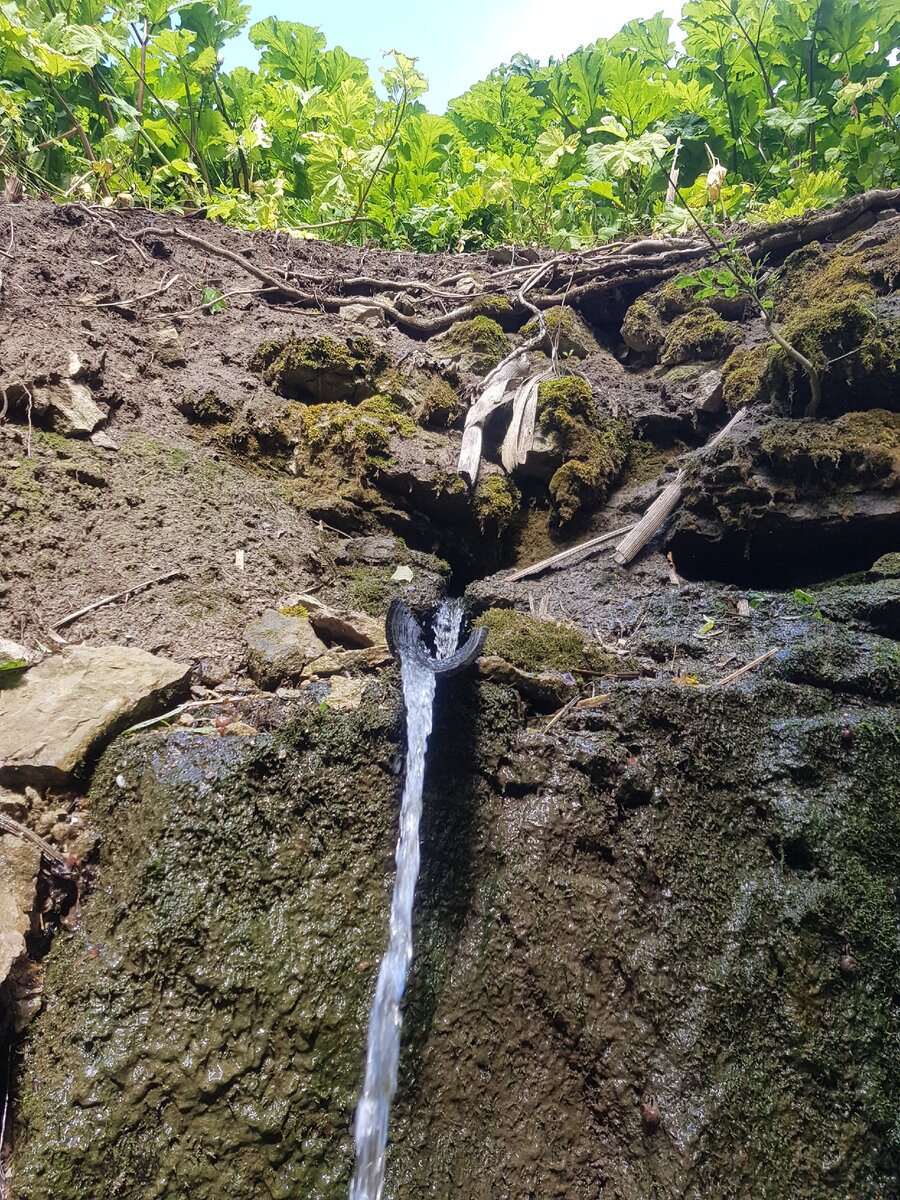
19	863
103	440
279	647
362	314
71	408
65	709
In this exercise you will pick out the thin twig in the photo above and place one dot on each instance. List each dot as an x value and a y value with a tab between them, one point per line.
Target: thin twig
22	831
122	237
565	555
750	666
138	587
135	299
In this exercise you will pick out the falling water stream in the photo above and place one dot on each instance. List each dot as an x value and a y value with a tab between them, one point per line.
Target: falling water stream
383	1047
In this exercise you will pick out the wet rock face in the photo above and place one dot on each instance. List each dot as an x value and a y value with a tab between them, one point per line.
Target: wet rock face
203	1029
655	952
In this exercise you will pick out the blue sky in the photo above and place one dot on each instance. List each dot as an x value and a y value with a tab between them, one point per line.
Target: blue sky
456	43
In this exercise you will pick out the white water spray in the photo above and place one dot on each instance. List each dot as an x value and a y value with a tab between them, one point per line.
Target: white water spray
383	1048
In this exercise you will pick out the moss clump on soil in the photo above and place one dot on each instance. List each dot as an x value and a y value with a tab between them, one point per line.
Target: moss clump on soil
594	447
643	328
496	502
320	368
828	309
701	334
440	404
743	377
479	343
858	447
209	407
536	645
371	589
491	305
359	436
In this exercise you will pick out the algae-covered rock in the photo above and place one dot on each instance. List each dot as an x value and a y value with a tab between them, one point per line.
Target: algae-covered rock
643	329
204	1025
209	406
322	369
887	567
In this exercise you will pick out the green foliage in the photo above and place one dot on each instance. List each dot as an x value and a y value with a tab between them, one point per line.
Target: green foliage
799	99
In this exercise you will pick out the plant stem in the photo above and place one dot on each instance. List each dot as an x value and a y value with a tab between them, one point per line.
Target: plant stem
83	137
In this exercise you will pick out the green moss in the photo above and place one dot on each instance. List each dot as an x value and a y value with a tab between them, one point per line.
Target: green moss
646	461
371	589
565	331
295	610
887	567
496	502
320	368
491	305
743	377
536	645
827	305
643	328
701	334
208	407
440	405
594	447
359	436
479	343
858	447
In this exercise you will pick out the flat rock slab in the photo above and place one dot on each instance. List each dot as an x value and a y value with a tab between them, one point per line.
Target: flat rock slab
65	709
19	863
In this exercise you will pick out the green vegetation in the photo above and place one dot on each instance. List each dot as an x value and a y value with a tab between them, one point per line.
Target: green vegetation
798	99
594	447
496	502
478	344
535	645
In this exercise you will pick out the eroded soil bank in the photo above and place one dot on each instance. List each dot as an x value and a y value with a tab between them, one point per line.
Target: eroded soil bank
657	942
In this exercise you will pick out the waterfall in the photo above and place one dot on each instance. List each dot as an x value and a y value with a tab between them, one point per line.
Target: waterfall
383	1047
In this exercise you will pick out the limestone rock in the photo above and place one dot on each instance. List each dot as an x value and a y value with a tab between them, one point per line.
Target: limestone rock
336	661
279	647
62	711
362	314
356	630
167	347
694	387
344	694
71	409
886	567
103	440
19	863
546	689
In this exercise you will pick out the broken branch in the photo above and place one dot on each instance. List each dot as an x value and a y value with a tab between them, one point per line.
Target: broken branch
138	587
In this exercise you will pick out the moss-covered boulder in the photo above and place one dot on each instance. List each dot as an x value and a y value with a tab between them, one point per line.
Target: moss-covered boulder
699	334
321	369
475	345
496	503
778	500
582	450
565	333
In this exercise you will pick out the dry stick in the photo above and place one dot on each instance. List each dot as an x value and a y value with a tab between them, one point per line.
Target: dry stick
565	555
138	587
10	826
134	299
121	236
664	504
750	666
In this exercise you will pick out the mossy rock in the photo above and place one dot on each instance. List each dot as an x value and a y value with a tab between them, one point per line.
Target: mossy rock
565	331
643	329
887	567
593	448
321	369
744	377
858	448
208	407
646	461
701	334
828	306
476	345
439	405
535	645
496	503
357	436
